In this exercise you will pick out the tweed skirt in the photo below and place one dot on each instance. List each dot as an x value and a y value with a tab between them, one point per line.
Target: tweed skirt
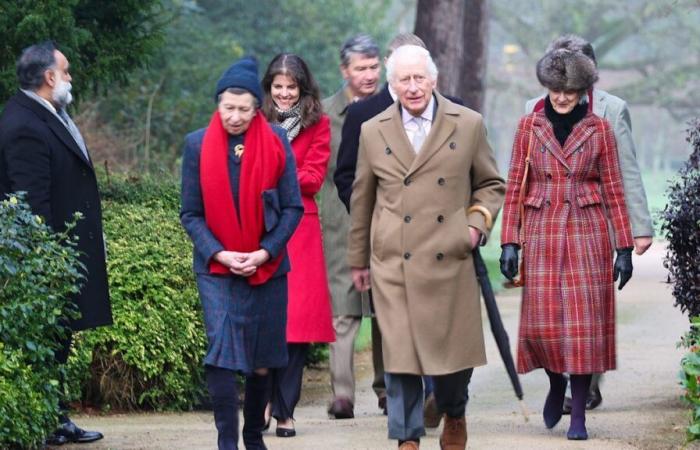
245	325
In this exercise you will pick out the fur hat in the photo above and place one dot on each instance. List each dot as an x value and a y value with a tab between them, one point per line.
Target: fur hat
574	43
565	70
242	74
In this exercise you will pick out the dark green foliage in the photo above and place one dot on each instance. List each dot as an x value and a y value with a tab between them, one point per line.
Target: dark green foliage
103	41
151	358
681	226
318	354
175	93
39	270
690	377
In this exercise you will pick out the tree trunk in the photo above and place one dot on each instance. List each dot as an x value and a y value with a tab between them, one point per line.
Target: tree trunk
455	32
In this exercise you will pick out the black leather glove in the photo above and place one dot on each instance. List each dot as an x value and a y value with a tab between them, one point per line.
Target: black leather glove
509	260
623	266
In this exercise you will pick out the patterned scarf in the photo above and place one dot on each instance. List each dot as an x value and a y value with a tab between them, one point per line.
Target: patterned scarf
290	120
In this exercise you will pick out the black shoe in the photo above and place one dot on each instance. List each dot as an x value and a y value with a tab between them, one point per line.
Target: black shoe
341	408
285	432
594	399
73	433
381	403
56	440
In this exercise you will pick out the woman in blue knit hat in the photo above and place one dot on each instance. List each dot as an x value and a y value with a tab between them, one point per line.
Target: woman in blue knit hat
240	205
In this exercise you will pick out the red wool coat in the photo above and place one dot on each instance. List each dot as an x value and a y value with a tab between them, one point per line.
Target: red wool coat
567	316
309	317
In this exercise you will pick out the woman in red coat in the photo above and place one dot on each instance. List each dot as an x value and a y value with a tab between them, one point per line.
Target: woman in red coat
292	101
572	188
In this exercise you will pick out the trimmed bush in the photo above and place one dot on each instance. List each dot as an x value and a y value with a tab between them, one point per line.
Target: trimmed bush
151	358
39	270
681	226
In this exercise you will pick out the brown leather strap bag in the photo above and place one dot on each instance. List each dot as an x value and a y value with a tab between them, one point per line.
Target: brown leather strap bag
521	207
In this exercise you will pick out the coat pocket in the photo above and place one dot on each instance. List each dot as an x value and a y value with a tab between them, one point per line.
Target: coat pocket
271	208
588	198
533	201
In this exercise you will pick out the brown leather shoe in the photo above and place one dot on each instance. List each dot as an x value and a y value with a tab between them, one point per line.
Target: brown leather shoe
409	445
454	434
341	408
431	416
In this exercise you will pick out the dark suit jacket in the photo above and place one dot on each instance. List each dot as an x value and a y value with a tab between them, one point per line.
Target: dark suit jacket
39	156
357	114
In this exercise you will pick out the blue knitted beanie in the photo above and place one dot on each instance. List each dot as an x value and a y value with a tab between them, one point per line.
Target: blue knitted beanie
242	74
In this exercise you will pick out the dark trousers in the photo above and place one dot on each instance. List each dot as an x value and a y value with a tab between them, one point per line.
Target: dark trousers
378	384
223	390
61	358
405	401
286	382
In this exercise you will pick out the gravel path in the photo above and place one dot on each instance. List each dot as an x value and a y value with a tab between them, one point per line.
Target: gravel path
641	407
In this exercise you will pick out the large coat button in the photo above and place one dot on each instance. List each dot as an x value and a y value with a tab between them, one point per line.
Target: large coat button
407	219
439	256
440	218
441	181
453	145
407	256
387	151
406	181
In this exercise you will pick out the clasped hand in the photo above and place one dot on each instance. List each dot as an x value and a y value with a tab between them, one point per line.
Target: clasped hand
243	264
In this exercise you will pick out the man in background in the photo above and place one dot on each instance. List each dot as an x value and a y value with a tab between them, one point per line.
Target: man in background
43	153
359	66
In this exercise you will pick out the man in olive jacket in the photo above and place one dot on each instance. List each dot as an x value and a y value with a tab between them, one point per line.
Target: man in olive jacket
359	65
426	186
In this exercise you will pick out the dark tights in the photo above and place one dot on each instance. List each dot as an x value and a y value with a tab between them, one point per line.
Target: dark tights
579	393
224	395
555	399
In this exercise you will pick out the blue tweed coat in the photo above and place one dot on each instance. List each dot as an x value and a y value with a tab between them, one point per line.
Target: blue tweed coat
245	324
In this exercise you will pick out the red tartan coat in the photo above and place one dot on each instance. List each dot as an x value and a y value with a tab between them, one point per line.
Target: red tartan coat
567	316
309	317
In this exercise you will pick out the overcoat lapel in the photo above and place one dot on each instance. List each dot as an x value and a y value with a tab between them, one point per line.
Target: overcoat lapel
545	134
55	124
394	135
64	135
580	134
442	128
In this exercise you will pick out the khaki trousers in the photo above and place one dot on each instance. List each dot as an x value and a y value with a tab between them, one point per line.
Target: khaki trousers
342	353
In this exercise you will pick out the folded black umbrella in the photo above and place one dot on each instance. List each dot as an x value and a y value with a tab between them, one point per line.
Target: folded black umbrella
497	328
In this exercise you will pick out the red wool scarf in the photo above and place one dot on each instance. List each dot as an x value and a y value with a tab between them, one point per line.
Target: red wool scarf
262	165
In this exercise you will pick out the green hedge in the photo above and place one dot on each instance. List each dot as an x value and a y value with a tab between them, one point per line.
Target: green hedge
38	272
151	358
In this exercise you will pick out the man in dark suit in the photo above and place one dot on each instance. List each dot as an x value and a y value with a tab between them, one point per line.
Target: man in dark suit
43	153
344	176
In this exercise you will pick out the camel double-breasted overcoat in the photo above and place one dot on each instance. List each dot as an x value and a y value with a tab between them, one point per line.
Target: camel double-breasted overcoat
409	224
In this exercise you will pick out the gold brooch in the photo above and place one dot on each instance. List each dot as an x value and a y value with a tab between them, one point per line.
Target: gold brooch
238	150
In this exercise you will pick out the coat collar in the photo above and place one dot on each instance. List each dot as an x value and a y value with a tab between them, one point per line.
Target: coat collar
581	132
338	103
54	123
391	128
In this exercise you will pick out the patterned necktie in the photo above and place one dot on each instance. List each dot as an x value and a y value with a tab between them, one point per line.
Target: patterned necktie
74	132
418	135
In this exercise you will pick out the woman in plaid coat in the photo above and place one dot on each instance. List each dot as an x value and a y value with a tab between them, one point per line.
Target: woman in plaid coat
573	187
240	206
